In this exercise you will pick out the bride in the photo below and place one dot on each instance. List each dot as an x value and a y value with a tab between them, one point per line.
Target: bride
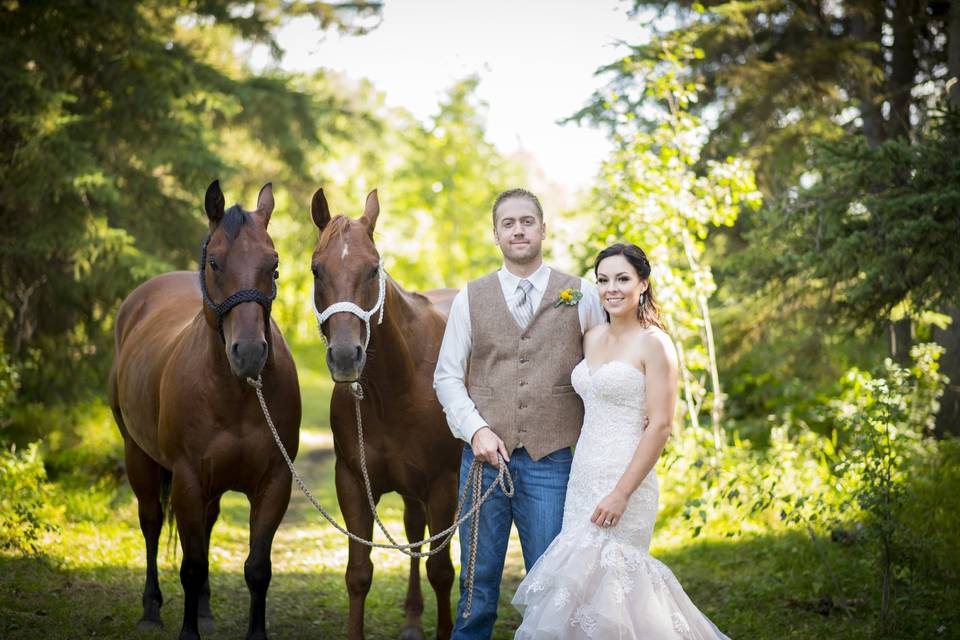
597	579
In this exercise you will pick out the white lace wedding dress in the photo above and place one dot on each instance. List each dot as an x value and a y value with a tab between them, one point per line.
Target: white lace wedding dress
603	583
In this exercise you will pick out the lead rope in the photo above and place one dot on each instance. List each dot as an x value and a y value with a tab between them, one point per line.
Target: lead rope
474	483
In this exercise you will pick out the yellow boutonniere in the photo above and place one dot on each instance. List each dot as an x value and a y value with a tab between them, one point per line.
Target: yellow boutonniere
568	296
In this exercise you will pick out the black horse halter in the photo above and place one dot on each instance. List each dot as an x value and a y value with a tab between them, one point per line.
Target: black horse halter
244	295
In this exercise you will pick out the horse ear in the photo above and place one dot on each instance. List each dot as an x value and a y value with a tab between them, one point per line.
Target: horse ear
371	210
265	203
213	204
319	210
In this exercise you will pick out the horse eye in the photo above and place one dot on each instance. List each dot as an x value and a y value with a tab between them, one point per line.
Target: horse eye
316	272
276	275
373	274
213	264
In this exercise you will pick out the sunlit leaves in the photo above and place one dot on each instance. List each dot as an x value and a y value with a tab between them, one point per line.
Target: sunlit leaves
656	192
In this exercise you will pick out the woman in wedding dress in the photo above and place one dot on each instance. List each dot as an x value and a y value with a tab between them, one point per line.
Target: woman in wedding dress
597	579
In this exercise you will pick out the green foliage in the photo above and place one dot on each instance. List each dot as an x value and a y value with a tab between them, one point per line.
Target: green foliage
774	76
9	384
114	117
24	512
444	190
885	418
873	232
867	486
654	191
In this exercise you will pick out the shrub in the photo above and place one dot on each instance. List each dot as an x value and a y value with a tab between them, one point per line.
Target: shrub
23	499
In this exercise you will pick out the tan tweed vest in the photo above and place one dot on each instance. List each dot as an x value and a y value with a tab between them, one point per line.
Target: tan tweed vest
520	379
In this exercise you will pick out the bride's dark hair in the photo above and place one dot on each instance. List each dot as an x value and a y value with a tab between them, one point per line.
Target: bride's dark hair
649	311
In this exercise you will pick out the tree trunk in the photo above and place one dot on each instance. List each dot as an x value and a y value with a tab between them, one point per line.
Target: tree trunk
901	338
948	418
716	404
866	28
953	57
902	77
903	67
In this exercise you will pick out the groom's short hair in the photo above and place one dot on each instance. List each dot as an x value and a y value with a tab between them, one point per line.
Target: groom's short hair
517	193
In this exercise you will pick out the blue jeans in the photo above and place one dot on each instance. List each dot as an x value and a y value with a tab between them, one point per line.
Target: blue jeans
540	489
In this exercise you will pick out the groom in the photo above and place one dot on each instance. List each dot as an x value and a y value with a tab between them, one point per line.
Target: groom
519	348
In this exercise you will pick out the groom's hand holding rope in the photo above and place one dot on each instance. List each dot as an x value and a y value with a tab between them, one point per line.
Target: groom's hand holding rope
486	445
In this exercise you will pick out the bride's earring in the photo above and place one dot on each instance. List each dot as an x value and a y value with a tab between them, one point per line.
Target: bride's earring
641	299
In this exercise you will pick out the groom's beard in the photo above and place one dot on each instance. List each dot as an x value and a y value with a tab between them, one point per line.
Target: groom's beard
522	254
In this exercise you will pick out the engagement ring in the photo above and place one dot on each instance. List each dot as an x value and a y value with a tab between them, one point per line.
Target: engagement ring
607	523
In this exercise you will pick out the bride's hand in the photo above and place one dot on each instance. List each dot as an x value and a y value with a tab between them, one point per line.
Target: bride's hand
609	510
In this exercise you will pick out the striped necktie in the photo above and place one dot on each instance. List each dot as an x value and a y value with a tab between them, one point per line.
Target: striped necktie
523	309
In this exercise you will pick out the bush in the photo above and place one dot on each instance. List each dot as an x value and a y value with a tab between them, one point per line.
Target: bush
23	499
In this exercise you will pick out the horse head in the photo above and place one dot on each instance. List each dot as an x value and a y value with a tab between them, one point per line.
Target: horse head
348	284
238	266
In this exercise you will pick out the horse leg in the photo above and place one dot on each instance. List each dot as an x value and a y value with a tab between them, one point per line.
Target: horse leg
190	508
266	511
204	612
356	512
441	507
414	523
146	479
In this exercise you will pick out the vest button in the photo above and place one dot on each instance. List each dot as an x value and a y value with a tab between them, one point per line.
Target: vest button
523	360
524	337
523	383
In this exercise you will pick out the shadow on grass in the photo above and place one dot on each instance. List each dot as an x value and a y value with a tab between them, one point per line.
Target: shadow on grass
764	587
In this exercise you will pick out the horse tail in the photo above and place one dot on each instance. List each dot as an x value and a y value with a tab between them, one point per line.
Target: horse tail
166	481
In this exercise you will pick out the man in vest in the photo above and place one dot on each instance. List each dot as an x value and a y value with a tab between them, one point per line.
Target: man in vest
518	332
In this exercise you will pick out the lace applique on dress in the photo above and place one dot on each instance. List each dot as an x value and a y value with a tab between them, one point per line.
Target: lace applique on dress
582	618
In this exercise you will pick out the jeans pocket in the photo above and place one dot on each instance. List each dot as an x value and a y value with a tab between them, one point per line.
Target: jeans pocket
560	455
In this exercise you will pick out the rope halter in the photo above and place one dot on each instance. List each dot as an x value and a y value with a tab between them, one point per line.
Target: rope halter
349	307
244	295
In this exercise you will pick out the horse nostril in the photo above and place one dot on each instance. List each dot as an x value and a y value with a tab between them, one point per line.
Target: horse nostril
359	355
235	349
263	348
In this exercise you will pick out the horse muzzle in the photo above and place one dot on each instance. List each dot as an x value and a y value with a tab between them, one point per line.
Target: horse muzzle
247	357
345	362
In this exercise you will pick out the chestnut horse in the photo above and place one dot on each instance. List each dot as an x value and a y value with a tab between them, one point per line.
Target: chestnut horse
192	427
409	448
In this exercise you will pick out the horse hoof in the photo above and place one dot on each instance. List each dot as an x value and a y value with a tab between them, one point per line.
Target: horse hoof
411	633
206	624
149	624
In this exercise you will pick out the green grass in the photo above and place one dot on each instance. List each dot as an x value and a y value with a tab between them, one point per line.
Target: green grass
89	579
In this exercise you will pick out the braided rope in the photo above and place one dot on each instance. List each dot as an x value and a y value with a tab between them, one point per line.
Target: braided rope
474	483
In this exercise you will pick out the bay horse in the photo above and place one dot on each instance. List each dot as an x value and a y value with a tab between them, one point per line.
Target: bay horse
409	448
192	427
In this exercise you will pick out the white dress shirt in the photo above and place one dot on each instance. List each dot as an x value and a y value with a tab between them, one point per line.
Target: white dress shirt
448	379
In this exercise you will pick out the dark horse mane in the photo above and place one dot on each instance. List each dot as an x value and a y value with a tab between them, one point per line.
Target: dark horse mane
234	218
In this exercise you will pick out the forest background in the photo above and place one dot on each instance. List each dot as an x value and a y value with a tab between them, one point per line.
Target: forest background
792	168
